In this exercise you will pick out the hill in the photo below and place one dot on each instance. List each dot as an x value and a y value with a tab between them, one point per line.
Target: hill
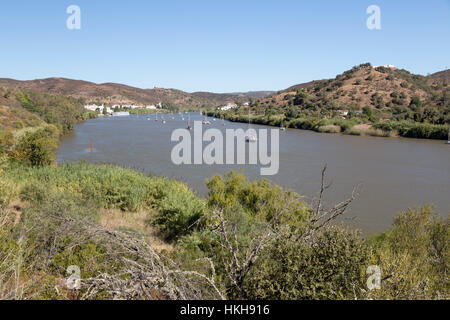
387	91
443	76
113	93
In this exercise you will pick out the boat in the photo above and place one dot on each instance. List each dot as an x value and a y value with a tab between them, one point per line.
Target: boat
121	114
223	120
156	118
205	121
448	138
189	123
282	128
250	137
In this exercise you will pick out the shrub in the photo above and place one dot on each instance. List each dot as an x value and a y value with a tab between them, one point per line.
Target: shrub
18	124
179	210
6	141
414	256
326	268
37	148
415	130
329	129
261	200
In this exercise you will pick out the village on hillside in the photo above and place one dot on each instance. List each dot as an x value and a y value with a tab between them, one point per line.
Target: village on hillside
118	109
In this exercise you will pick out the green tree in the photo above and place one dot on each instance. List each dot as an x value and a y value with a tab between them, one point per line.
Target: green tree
37	148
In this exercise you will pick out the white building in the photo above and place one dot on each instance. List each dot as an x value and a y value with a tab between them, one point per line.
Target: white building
120	114
229	106
390	66
95	108
152	107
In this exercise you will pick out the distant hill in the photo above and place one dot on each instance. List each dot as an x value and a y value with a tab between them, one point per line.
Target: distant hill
254	94
113	93
441	75
304	85
387	90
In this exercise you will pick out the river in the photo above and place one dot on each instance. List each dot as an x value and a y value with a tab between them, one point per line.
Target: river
394	173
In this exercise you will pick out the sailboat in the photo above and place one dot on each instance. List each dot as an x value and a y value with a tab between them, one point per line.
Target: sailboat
156	118
163	120
223	120
250	137
282	128
189	123
448	138
206	121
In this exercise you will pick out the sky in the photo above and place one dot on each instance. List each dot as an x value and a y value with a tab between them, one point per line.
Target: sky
218	46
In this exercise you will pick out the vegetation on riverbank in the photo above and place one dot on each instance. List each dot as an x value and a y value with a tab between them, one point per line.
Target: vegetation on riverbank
53	217
353	126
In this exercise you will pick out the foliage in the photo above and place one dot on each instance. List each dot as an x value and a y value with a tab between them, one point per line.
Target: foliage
6	141
37	148
415	130
260	200
59	110
414	257
115	187
327	268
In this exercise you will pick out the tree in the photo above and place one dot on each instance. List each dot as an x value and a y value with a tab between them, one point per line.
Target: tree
38	148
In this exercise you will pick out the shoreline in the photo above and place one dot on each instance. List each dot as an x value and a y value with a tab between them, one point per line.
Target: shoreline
362	129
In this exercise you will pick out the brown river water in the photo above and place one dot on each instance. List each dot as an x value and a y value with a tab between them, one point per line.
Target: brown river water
394	173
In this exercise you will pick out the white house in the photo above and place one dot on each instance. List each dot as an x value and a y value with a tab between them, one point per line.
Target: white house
229	106
94	107
343	112
390	66
152	107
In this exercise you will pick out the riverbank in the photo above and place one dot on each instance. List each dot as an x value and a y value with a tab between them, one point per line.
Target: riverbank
405	129
102	219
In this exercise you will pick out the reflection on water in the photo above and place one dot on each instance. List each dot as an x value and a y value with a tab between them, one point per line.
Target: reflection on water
395	173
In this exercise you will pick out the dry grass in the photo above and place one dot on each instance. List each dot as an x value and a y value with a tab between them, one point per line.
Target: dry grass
367	130
137	222
329	129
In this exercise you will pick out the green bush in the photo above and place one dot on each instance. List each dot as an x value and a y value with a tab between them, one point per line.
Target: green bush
179	209
6	141
37	148
414	256
415	130
259	199
327	268
18	124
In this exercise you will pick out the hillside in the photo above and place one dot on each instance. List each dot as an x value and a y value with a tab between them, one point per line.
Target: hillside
113	93
443	76
390	93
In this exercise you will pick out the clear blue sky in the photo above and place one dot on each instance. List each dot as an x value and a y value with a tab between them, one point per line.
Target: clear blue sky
220	46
